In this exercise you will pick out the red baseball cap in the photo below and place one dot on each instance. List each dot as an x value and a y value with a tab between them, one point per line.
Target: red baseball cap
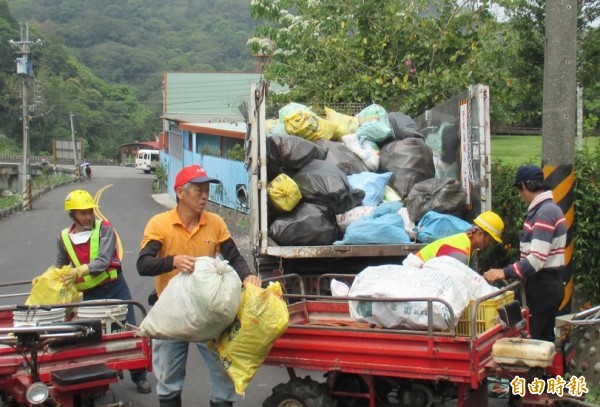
192	173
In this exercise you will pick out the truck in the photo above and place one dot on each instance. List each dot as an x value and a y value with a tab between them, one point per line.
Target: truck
352	362
369	365
147	160
466	114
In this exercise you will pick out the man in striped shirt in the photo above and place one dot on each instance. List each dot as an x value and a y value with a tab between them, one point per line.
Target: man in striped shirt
542	245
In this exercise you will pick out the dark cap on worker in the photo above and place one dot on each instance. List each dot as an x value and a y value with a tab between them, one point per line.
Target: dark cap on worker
194	174
528	172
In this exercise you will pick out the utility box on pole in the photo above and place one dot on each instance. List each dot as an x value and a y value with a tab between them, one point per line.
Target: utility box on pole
25	70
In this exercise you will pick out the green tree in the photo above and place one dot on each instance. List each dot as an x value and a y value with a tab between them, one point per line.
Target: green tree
411	55
407	55
106	115
518	88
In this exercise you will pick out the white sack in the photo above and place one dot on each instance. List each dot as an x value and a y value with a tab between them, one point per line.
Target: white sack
476	284
395	281
366	150
339	288
195	307
345	219
412	260
409	225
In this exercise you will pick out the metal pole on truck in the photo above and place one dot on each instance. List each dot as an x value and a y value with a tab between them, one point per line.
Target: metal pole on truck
559	117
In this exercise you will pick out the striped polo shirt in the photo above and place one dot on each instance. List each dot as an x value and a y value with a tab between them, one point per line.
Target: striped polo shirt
543	239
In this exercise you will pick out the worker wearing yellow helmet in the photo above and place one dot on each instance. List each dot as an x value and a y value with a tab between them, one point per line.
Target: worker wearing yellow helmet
486	230
89	246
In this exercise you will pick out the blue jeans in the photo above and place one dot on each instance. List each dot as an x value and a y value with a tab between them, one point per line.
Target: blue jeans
169	359
117	290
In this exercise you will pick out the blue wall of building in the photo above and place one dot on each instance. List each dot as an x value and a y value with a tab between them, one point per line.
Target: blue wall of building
231	173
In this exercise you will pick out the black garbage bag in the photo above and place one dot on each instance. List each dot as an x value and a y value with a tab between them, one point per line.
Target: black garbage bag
403	126
307	224
410	160
442	195
342	157
287	154
323	183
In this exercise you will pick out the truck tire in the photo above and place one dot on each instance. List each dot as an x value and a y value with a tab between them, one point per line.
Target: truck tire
350	383
300	393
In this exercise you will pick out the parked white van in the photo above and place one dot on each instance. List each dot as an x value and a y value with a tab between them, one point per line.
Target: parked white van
147	160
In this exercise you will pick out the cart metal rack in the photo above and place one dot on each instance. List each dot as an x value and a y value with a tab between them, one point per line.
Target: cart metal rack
322	337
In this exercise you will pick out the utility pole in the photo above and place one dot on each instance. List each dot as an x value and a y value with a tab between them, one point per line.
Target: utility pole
558	118
579	142
71	116
25	70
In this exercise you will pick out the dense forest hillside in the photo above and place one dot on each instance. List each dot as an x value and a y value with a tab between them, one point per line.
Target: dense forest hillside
103	60
134	41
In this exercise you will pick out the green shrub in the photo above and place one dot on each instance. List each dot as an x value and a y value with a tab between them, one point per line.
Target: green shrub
236	153
511	208
586	230
160	178
212	151
9	201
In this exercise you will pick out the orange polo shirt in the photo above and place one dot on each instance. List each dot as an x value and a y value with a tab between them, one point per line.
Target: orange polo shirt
204	240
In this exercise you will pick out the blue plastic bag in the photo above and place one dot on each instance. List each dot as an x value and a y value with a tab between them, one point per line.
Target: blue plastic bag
434	226
384	226
372	183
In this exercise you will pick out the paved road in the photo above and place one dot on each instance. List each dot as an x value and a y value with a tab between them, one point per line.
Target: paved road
27	248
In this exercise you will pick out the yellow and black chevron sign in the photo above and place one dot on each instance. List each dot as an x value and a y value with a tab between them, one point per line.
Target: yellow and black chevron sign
561	179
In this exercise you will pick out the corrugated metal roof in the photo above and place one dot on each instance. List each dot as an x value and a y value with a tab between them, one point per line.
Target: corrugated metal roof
236	130
207	93
213	96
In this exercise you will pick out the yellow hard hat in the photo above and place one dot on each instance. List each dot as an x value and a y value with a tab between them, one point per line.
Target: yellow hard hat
491	223
79	200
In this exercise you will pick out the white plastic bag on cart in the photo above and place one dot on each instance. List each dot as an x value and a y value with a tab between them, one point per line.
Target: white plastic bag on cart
195	307
395	281
476	285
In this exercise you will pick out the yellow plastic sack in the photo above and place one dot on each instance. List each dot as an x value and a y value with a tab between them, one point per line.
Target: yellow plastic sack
49	289
262	317
344	124
309	126
284	193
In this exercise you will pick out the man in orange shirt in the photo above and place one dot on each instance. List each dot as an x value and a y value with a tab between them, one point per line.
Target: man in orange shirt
172	240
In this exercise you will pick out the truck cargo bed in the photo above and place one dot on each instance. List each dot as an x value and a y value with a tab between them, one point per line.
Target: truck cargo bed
322	336
295	252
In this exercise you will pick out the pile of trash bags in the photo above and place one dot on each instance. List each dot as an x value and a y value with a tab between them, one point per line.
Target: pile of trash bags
370	178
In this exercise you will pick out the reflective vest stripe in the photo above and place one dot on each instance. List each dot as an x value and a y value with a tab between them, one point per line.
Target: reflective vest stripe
88	281
460	241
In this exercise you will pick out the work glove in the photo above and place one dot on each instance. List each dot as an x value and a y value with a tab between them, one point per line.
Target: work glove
71	276
35	280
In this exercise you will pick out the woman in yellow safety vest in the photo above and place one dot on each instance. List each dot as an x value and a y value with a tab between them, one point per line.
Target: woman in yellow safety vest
89	246
487	228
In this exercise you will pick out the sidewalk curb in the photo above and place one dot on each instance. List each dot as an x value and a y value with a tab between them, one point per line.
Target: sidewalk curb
165	200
